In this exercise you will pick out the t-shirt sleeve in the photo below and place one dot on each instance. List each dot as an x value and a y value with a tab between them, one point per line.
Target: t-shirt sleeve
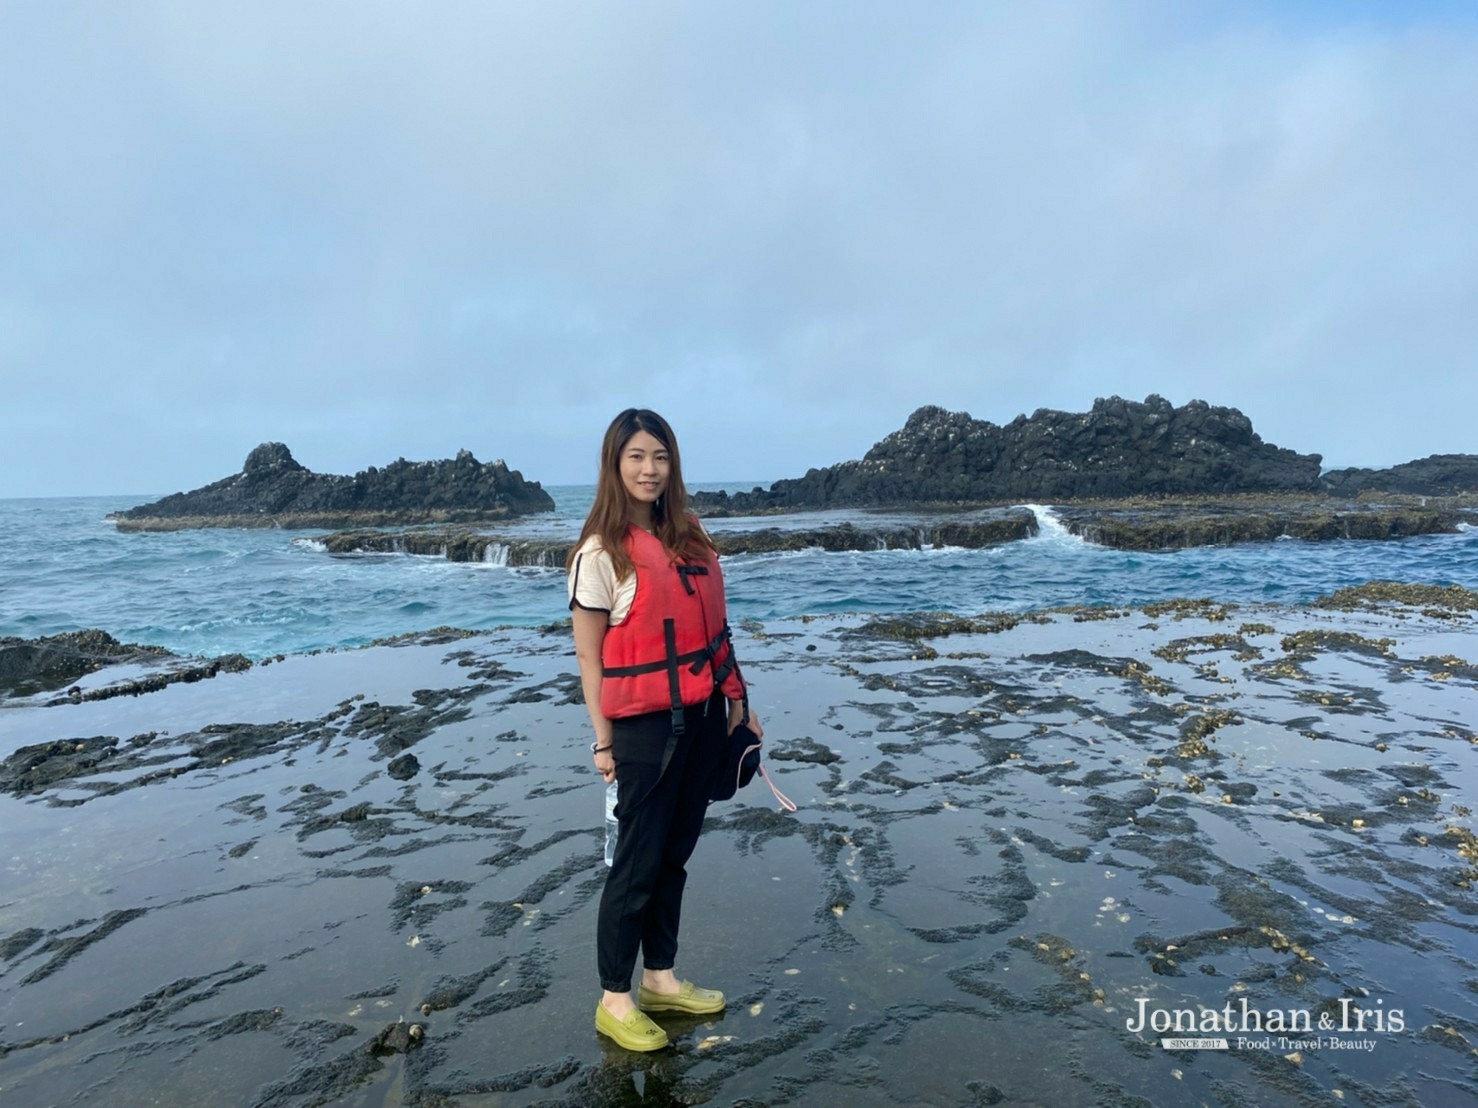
592	580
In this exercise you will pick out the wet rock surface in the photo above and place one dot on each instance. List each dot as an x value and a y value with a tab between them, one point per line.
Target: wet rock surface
36	665
1016	834
31	666
274	490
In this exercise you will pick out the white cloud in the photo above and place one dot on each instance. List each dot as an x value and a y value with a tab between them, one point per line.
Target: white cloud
396	230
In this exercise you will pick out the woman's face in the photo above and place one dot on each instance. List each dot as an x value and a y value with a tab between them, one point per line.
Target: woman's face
645	466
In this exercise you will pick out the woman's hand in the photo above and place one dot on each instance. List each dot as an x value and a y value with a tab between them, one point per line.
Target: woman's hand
736	713
605	765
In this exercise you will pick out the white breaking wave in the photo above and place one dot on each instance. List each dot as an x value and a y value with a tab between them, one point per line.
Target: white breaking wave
311	544
495	554
1050	528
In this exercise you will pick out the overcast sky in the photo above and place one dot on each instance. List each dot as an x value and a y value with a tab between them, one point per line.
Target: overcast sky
373	230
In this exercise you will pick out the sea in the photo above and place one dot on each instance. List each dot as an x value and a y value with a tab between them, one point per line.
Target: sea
64	567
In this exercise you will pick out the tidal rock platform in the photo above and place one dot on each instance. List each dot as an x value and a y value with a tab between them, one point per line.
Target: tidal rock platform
1140	523
1024	842
463	544
1169	523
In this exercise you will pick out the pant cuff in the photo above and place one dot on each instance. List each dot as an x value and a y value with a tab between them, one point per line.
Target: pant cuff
616	987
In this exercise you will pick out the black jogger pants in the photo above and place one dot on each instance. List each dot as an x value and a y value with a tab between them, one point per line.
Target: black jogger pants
660	813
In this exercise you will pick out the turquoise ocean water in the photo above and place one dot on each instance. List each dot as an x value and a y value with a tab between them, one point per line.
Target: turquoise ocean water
63	567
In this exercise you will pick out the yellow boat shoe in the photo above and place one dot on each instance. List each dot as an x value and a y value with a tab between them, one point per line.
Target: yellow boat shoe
688	998
635	1032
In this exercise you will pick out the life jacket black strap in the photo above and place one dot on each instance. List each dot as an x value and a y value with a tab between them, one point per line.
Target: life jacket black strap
715	644
674	686
685	571
696	657
730	663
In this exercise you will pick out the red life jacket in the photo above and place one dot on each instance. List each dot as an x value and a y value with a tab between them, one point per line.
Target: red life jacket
673	647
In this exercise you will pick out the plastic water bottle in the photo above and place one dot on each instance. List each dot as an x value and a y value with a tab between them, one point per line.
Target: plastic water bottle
612	826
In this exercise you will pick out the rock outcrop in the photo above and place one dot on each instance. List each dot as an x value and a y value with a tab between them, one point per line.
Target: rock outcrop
274	490
1435	475
1119	448
29	666
1145	523
460	544
1206	521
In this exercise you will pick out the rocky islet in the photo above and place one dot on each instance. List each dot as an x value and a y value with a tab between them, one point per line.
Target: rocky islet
1118	449
274	490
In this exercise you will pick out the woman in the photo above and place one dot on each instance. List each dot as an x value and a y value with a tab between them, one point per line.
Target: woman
656	665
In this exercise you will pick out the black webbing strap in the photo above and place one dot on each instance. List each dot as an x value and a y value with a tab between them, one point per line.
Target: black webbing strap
685	571
667	754
729	664
713	647
696	657
674	686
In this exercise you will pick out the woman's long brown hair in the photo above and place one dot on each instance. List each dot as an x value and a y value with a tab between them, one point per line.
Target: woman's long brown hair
678	531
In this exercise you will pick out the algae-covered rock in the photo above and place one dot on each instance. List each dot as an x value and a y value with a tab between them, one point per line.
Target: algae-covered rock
29	666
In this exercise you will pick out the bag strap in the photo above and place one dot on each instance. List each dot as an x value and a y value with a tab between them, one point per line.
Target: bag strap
786	804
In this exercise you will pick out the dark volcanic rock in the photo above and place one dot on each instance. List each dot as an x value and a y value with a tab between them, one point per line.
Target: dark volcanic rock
404	768
1009	526
1436	475
1137	523
274	490
460	544
1120	448
397	1038
455	544
29	666
1172	524
37	665
36	767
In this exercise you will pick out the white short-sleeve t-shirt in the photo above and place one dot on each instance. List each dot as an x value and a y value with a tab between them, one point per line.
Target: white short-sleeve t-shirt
592	582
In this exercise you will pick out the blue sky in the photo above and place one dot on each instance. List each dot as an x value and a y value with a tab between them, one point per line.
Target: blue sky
375	230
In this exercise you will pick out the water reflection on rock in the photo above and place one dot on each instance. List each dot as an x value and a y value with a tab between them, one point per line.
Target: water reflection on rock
1018	836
